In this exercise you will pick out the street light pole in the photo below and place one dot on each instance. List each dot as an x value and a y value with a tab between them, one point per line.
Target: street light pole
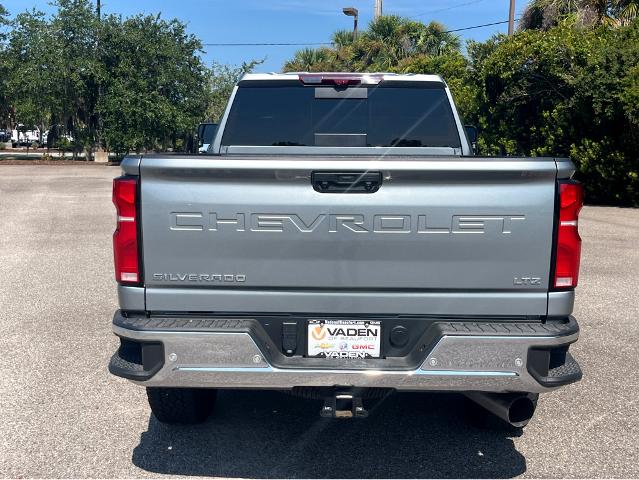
352	12
511	18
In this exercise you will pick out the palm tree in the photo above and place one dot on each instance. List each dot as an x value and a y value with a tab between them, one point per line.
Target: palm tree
624	12
391	38
544	14
382	46
434	40
305	59
343	38
309	59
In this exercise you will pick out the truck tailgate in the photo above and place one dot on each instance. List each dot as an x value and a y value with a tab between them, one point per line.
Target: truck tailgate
441	236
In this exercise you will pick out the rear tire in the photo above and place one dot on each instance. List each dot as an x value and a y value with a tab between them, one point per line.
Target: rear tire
181	405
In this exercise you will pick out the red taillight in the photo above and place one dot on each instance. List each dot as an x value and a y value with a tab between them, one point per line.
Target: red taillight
125	238
571	199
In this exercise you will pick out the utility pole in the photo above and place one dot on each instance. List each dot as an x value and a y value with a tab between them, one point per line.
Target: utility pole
378	9
511	18
98	8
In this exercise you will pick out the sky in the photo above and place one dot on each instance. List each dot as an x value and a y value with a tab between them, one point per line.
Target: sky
291	21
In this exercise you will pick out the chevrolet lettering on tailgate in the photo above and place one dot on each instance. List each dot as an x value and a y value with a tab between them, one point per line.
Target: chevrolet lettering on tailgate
358	223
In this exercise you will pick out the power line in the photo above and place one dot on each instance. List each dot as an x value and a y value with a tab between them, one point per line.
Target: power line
478	26
287	44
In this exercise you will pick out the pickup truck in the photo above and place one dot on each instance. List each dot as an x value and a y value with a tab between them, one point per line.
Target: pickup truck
340	241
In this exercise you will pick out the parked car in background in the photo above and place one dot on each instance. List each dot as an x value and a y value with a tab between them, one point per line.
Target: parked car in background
205	135
23	136
60	136
5	136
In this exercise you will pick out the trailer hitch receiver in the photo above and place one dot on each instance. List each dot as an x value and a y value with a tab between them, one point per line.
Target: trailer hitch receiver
343	405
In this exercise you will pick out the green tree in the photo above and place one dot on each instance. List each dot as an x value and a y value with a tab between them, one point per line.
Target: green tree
565	92
626	12
54	69
75	62
391	39
3	16
342	38
545	14
604	112
157	89
32	71
315	60
522	84
129	84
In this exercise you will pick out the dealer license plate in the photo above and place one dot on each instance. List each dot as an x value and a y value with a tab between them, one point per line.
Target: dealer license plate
344	338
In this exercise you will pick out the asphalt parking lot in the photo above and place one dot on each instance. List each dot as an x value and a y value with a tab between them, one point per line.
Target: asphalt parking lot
63	415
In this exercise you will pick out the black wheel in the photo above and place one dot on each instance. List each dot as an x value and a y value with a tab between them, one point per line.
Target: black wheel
181	405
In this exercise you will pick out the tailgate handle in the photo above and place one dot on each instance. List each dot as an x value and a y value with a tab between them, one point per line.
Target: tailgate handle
346	182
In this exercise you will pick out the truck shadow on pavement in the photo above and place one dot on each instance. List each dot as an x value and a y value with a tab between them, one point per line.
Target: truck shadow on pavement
271	434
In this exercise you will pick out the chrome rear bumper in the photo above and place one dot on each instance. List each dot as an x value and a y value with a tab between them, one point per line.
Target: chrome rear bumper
456	362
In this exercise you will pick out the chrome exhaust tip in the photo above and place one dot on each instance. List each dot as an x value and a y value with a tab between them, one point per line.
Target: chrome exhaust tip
514	408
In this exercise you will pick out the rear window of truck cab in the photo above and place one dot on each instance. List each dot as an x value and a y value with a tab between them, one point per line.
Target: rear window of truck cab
391	114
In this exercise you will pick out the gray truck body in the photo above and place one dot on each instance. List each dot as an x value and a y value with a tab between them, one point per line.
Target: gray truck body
455	249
